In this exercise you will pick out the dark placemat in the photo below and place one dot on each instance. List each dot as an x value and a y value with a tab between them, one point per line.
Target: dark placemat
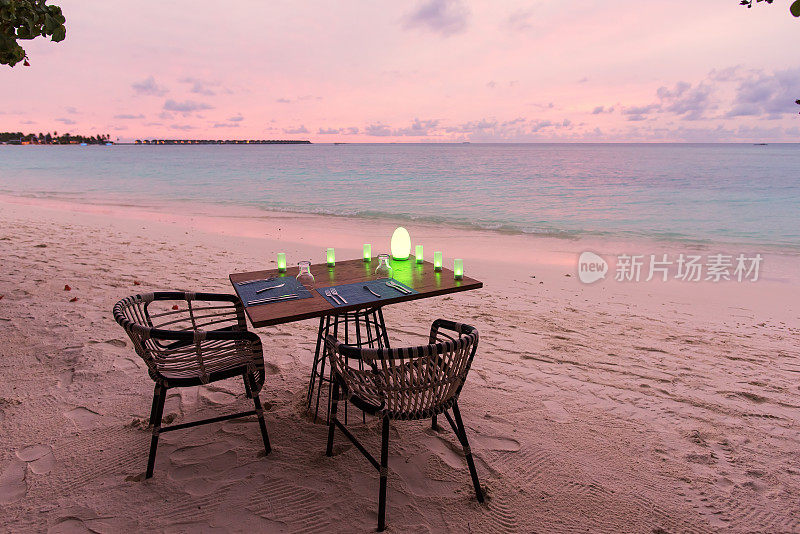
247	292
356	294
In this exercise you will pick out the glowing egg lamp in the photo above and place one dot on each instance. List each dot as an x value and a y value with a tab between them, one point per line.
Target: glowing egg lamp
401	244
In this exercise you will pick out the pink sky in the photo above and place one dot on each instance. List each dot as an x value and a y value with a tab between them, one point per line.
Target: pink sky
430	70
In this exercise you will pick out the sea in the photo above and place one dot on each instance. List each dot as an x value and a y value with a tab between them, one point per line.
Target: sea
700	193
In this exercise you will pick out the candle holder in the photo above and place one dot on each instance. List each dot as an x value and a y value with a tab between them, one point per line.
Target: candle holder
437	261
331	258
281	262
367	252
419	253
458	269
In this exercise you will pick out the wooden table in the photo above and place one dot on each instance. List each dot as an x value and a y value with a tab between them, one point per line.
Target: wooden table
418	276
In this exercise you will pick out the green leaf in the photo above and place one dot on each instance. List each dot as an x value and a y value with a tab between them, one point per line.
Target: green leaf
59	34
794	9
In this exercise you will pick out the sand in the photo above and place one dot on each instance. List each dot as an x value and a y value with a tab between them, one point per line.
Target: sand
650	407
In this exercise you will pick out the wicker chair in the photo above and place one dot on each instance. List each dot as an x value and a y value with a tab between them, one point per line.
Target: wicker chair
406	383
170	331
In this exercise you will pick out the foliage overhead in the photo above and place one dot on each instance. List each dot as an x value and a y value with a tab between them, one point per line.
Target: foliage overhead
25	20
794	9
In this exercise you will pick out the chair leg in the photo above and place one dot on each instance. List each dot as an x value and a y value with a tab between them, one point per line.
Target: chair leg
249	382
384	471
158	402
156	394
468	453
332	417
247	391
434	425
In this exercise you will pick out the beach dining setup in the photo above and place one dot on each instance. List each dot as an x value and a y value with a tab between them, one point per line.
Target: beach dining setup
191	339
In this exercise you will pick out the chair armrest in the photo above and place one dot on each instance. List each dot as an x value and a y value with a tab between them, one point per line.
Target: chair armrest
187	295
446	324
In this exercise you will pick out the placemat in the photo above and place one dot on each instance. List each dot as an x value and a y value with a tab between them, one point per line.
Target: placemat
247	292
356	294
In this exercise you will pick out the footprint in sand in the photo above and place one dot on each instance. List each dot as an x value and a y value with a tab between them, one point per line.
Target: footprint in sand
39	458
83	417
12	482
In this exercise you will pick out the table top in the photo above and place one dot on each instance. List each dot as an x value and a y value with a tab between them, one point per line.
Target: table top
419	276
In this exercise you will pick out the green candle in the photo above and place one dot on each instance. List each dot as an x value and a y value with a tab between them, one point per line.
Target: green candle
331	258
419	253
437	261
458	269
367	252
281	262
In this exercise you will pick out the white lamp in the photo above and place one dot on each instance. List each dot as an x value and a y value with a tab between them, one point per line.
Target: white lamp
401	244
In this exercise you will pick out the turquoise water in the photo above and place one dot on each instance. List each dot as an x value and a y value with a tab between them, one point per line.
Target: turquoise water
697	192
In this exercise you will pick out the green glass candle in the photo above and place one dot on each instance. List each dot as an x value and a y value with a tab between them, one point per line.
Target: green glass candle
367	252
458	269
281	262
437	261
331	258
419	253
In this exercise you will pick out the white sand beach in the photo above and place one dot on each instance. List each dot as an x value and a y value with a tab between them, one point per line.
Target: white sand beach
650	407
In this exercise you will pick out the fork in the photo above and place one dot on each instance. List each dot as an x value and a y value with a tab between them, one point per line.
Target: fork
334	292
330	296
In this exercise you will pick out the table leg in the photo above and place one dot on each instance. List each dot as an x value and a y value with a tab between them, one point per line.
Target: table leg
371	318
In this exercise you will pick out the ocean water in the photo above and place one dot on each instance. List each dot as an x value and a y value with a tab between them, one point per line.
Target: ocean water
706	193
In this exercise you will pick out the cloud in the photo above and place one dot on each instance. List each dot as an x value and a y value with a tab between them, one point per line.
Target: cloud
189	106
329	131
491	84
418	128
72	110
126	116
237	118
200	87
761	93
519	21
149	87
352	130
443	17
283	101
299	130
181	127
225	125
602	109
28	122
639	113
691	103
65	121
378	130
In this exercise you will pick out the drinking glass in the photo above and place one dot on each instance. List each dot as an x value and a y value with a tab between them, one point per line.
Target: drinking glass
305	277
384	270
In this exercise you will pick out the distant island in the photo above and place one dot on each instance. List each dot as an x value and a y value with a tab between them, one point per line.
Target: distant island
18	138
221	142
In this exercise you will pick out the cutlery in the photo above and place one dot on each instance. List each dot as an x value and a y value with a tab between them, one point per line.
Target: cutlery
399	288
334	292
330	296
273	299
254	281
268	288
371	291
